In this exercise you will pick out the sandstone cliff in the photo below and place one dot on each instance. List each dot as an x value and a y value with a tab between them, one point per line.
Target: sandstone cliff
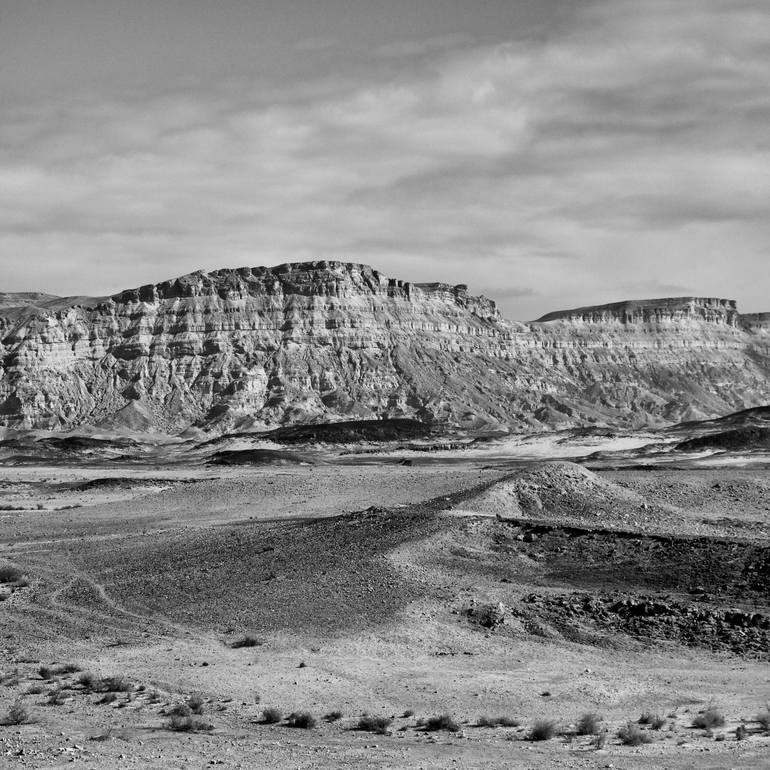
257	347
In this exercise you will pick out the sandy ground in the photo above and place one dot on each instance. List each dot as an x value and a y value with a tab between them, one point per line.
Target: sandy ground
154	574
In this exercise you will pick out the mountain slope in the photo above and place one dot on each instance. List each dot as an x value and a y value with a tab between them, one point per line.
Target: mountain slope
256	347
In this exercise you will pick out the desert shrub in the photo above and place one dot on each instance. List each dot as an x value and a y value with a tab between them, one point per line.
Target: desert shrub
333	716
189	724
600	740
302	719
271	715
302	664
180	710
588	724
17	715
741	733
543	730
408	713
658	722
10	678
109	697
153	696
46	673
115	683
441	722
68	668
36	689
374	724
633	735
708	719
764	719
245	641
500	721
57	697
9	574
88	681
195	702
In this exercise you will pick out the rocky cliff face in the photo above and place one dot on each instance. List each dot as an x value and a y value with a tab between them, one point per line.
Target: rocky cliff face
256	347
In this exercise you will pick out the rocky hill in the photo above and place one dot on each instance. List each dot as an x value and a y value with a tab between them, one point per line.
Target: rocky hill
322	341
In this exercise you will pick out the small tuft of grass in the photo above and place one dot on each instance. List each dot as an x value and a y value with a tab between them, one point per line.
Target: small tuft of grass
374	724
271	715
46	673
36	689
441	722
543	730
333	716
633	735
302	664
589	724
245	641
708	719
301	719
658	722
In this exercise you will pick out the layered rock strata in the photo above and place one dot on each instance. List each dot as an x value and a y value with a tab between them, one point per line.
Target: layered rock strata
320	341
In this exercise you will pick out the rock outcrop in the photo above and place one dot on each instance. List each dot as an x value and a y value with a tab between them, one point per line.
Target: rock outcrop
320	341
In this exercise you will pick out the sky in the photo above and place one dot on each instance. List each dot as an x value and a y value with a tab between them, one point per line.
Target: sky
549	153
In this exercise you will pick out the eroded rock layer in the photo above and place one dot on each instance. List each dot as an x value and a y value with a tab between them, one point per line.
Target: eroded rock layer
320	341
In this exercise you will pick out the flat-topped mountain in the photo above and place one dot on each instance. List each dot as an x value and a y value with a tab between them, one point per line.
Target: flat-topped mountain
321	341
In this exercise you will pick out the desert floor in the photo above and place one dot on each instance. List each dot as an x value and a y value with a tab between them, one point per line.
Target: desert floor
369	586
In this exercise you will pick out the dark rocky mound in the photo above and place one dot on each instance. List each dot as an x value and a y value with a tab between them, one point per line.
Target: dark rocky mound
349	432
83	443
257	457
735	440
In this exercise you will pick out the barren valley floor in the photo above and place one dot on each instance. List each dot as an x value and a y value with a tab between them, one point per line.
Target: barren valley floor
532	591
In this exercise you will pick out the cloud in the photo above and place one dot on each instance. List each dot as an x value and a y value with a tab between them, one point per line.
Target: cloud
626	151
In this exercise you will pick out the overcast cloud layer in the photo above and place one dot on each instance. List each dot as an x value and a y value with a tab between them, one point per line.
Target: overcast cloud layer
618	150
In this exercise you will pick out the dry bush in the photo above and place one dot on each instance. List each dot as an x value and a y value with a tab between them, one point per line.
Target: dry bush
17	715
115	683
589	724
543	730
302	719
374	724
245	641
764	719
88	681
10	574
333	716
441	722
499	721
195	702
107	698
188	724
633	735
57	697
708	719
271	715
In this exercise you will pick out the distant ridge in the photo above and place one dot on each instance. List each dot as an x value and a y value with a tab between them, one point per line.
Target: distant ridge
253	348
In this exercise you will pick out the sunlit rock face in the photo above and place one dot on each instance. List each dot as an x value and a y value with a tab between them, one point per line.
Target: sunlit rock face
320	341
